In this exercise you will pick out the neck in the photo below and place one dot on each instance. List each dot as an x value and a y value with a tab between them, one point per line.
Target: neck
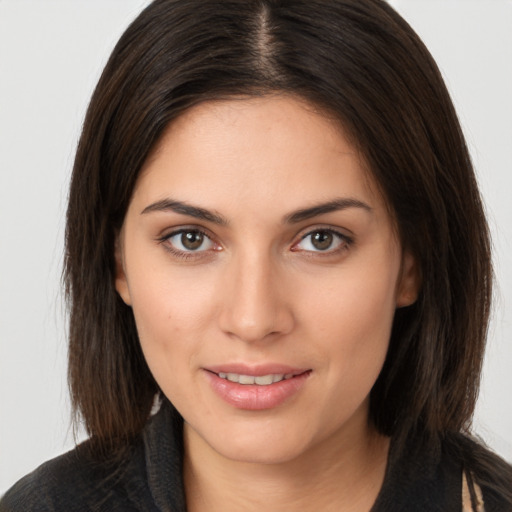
340	473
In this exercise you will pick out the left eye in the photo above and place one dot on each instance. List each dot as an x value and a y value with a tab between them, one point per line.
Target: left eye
321	240
190	240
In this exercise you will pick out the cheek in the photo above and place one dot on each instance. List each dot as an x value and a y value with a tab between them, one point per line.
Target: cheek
354	301
351	320
167	328
172	310
164	313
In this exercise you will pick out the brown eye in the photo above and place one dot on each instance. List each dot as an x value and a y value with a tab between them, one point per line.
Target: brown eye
192	240
322	240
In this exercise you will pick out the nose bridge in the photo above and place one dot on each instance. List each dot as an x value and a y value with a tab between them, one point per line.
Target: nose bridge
253	306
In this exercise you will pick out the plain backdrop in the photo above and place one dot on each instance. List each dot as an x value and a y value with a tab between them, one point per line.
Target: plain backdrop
51	54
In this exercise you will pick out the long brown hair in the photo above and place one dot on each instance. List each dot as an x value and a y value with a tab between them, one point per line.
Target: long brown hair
361	63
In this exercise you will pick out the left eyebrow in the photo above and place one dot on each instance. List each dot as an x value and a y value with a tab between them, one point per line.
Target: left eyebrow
328	207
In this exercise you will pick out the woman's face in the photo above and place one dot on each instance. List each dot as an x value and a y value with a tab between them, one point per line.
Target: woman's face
263	271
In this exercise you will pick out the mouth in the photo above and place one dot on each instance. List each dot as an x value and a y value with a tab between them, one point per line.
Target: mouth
264	387
260	380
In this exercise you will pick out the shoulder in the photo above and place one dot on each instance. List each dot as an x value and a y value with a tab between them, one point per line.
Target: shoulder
74	482
45	487
427	475
146	477
484	469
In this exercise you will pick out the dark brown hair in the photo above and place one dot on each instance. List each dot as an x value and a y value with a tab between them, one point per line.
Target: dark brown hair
358	61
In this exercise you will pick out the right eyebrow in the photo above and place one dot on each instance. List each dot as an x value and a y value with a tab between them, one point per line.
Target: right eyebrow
185	209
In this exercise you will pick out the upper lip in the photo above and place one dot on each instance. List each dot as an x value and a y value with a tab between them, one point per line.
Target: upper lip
256	370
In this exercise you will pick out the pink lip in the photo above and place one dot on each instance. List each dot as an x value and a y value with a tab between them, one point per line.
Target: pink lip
254	397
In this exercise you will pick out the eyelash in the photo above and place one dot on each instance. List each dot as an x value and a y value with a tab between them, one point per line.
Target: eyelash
345	243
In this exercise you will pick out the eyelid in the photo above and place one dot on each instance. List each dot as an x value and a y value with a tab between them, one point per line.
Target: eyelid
183	228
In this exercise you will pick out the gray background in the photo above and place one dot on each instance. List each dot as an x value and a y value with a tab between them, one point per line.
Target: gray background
51	53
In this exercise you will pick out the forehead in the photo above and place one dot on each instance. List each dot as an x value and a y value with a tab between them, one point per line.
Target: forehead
267	149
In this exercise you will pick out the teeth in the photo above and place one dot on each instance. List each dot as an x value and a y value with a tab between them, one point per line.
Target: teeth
264	380
261	380
246	379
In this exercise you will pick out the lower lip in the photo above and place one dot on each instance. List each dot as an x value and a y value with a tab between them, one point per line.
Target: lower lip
253	397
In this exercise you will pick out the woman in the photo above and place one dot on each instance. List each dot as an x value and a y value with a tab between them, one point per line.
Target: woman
274	229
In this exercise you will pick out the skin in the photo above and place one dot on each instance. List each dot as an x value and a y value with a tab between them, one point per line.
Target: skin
257	290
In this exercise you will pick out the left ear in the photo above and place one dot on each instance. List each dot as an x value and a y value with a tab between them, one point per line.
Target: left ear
409	282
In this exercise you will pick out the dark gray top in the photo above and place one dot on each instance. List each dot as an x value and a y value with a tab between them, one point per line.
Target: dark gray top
149	478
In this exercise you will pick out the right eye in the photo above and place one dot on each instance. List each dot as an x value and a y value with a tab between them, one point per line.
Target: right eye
189	240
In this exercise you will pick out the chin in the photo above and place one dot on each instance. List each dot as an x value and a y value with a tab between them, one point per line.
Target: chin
257	444
257	454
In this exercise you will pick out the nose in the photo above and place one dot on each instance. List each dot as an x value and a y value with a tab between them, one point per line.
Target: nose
255	305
